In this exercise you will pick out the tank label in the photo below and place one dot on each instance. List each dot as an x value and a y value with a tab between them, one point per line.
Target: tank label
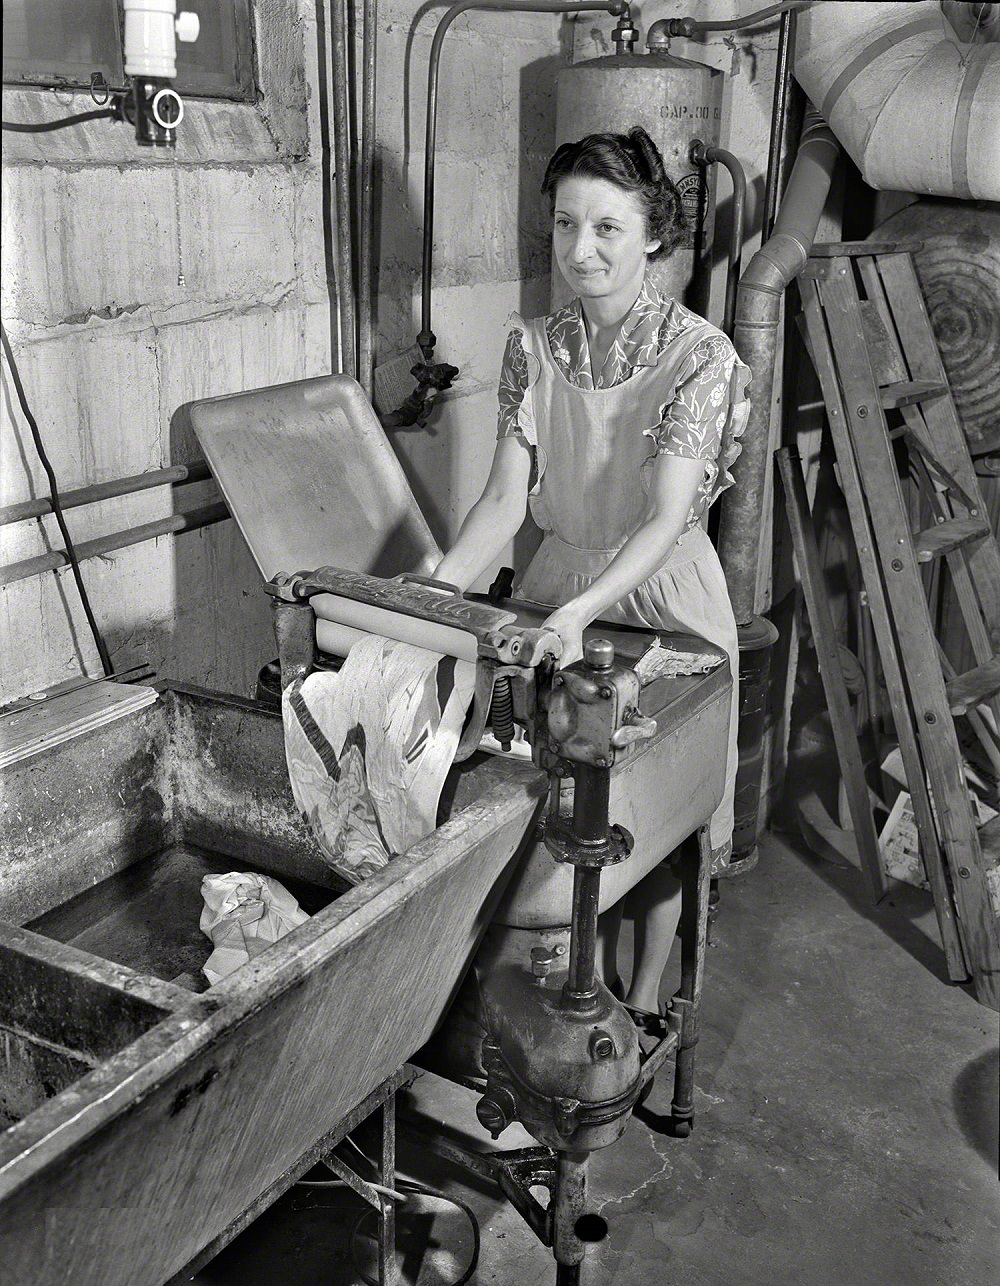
694	193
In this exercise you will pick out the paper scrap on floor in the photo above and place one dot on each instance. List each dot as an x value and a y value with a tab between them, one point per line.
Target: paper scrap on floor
244	914
368	749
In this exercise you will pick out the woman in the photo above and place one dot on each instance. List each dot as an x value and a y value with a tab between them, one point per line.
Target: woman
620	412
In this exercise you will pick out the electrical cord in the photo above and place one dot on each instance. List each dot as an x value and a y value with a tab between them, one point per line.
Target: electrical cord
416	1189
404	1188
102	648
44	127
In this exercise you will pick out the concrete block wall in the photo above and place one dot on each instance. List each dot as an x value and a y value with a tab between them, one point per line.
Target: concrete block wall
496	115
496	131
112	347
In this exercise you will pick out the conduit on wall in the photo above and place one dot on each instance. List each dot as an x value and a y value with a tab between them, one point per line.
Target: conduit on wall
915	105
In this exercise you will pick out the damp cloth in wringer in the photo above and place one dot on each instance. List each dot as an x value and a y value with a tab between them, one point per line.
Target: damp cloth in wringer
368	749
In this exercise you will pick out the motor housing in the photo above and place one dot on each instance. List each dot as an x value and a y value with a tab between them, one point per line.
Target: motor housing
570	1078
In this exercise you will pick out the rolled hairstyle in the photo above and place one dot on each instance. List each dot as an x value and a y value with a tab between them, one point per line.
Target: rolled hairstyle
630	161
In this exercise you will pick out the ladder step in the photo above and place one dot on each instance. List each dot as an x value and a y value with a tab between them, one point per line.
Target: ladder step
907	392
937	541
974	687
842	249
989	842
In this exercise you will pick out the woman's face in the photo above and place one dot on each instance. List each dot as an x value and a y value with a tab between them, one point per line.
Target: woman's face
600	240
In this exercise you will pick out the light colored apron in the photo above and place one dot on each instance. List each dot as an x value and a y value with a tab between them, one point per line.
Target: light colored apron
592	453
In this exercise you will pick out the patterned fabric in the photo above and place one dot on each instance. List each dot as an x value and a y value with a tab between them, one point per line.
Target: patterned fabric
368	749
708	412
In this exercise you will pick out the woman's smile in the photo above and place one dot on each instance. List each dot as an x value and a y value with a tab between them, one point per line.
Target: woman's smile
600	241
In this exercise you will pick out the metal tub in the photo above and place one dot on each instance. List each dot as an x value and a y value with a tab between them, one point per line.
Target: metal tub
145	1115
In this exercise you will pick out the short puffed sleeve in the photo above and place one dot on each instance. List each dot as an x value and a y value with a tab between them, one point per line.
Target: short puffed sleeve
513	386
707	414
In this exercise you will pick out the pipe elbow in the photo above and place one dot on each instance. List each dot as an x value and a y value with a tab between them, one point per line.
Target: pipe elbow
763	283
658	35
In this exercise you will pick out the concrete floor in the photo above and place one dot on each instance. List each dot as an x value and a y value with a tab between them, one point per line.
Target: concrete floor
847	1133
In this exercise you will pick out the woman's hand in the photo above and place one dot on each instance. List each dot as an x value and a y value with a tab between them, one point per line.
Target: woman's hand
569	623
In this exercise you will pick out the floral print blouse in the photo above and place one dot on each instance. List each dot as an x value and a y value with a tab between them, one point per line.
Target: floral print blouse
709	409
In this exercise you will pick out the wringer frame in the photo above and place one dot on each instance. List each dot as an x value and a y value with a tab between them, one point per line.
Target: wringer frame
558	1052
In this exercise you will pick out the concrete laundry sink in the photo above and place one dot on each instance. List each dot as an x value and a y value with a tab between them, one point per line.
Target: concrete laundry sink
145	1115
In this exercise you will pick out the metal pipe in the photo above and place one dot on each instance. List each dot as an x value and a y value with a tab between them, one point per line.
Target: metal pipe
342	180
710	155
427	339
591	798
568	1204
779	121
758	313
172	475
693	26
55	558
366	263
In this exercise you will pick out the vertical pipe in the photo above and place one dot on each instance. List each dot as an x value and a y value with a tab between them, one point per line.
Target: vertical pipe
703	155
569	1202
366	264
779	111
589	826
342	173
758	313
427	339
581	982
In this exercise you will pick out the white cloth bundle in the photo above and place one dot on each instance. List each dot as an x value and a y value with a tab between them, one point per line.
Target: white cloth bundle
244	914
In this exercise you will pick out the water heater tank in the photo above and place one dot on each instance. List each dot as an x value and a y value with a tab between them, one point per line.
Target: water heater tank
675	101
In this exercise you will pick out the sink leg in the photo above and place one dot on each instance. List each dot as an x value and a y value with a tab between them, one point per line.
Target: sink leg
695	881
388	1269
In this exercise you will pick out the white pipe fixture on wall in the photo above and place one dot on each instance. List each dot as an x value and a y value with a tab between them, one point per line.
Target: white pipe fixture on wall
915	105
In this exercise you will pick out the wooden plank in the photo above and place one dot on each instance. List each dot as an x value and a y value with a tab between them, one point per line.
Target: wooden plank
914	632
918	439
947	536
29	731
974	687
148	1158
941	491
924	361
854	249
907	392
885	638
987	739
837	701
894	365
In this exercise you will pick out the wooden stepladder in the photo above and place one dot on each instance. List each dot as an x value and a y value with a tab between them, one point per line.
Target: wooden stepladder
883	383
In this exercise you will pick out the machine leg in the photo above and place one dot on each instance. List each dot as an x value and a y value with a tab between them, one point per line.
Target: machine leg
388	1269
569	1199
695	880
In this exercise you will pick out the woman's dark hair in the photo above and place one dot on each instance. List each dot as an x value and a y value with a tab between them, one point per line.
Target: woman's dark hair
630	161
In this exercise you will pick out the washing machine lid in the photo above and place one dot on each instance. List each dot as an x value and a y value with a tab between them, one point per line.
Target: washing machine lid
311	479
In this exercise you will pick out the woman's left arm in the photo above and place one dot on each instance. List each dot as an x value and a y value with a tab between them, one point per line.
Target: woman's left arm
672	489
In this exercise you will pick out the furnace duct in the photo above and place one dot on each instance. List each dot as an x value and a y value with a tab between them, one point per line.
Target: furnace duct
912	100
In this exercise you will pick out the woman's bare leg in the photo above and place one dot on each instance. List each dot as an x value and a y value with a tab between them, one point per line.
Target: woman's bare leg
656	902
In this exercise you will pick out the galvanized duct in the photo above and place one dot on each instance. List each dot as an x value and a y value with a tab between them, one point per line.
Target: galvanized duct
915	104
